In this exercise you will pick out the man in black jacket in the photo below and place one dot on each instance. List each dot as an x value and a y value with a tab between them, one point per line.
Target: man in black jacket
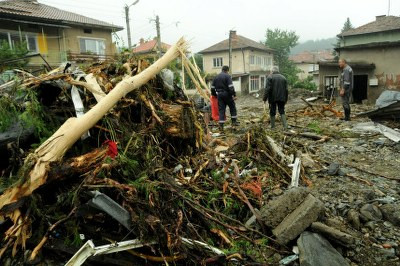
222	87
276	92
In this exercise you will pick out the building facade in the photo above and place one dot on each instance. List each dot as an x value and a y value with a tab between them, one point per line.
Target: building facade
373	51
251	62
56	34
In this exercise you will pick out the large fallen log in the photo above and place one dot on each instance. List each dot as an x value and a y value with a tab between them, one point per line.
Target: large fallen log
52	150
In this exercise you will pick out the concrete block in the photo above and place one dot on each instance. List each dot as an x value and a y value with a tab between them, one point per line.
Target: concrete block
277	209
297	221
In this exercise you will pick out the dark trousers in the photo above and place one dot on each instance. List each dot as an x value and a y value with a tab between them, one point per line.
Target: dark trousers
346	102
274	105
226	99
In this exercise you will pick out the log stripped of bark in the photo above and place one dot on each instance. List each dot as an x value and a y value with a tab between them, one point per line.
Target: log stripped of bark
53	149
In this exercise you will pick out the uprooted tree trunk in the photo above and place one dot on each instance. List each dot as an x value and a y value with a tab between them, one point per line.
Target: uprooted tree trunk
53	149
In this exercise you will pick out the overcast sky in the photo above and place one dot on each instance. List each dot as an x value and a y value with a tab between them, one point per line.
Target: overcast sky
207	22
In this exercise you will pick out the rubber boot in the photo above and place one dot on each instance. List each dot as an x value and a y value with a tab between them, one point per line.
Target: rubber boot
284	122
221	128
235	123
272	122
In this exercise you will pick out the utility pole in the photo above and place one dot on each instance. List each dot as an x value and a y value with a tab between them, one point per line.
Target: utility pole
128	27
159	48
230	51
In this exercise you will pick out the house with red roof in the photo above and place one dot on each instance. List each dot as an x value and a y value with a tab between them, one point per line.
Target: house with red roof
149	48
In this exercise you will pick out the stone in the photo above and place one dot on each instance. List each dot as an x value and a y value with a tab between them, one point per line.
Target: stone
359	149
391	213
333	169
354	219
370	212
277	209
388	253
297	221
315	250
333	234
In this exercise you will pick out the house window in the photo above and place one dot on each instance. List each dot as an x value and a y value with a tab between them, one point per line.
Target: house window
330	83
262	81
217	62
258	61
252	60
15	38
254	83
88	31
94	46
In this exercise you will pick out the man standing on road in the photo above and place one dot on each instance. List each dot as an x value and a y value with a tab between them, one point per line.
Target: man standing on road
276	92
222	87
346	85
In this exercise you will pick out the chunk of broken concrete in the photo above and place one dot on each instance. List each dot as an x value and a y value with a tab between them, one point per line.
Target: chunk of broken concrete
315	250
354	219
277	209
391	213
333	234
297	221
370	212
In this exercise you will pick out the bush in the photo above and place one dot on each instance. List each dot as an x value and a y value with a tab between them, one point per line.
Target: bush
8	53
307	84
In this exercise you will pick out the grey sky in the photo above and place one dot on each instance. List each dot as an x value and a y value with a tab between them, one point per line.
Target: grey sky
206	22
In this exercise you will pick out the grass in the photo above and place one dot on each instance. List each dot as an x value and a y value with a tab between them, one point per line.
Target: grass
314	126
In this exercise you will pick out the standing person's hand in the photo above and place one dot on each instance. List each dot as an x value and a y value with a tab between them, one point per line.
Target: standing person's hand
234	98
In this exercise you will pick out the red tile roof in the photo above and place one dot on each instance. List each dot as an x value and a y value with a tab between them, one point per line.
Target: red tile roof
150	46
238	42
312	57
32	10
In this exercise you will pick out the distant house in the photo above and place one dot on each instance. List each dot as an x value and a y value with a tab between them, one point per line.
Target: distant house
56	34
150	48
251	62
373	51
307	63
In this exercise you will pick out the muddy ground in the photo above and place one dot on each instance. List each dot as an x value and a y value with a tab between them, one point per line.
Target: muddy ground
369	166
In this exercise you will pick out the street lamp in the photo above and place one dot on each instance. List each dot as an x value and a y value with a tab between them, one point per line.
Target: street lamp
128	27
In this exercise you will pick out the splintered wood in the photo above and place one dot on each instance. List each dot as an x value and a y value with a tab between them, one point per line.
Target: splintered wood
320	110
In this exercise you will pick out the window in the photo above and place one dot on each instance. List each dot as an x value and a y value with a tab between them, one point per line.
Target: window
15	38
217	62
95	46
88	31
262	82
252	60
254	83
258	61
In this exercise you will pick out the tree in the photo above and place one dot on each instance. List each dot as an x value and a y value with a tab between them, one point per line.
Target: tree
282	41
7	53
347	25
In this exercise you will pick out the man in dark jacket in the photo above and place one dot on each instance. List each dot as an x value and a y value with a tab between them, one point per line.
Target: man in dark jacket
222	87
276	92
346	82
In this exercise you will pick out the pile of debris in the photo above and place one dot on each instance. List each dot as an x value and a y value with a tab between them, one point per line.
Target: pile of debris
115	158
387	107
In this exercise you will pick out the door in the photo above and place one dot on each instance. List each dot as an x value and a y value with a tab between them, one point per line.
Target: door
360	91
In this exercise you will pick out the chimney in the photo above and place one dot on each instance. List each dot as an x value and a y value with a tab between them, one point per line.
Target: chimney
233	34
380	17
141	41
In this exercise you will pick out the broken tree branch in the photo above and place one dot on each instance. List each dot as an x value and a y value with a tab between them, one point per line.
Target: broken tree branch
53	149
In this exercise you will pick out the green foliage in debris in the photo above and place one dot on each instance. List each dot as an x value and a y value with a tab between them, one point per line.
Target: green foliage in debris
7	53
314	126
8	113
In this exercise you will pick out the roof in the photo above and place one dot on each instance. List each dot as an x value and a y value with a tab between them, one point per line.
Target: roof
35	11
238	42
353	65
312	57
149	46
382	23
